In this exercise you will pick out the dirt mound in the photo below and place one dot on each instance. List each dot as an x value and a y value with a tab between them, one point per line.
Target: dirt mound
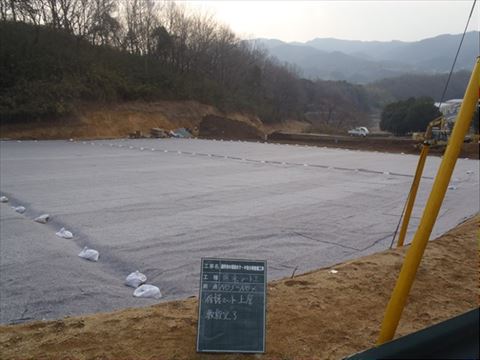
320	315
119	120
219	127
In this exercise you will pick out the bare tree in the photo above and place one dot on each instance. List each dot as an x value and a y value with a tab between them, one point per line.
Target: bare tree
100	25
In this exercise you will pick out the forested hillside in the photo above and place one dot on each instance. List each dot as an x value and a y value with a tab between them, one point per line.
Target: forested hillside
409	85
57	56
367	61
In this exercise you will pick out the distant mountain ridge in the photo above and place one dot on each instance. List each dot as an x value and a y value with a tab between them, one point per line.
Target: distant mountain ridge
367	61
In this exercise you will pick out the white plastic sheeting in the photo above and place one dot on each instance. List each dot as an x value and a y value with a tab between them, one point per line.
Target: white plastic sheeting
147	291
135	279
42	219
63	233
161	211
89	254
19	209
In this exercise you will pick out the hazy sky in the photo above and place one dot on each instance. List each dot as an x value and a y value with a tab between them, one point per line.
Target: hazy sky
357	20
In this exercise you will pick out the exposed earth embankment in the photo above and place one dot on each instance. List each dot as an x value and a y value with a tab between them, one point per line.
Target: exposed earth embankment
205	121
119	120
319	315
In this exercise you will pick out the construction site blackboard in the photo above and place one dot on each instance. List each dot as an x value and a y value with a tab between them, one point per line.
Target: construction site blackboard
231	313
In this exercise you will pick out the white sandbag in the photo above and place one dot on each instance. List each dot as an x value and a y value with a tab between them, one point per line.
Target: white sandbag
89	254
135	279
19	209
64	233
3	199
147	291
42	219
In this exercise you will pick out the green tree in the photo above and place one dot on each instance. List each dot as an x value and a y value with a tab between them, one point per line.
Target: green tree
409	115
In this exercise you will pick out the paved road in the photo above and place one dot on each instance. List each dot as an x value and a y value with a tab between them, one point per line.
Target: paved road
161	210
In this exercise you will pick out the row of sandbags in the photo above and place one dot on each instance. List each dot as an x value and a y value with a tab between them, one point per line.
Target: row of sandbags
135	279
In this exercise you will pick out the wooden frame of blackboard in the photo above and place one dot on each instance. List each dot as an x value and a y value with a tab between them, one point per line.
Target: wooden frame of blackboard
264	308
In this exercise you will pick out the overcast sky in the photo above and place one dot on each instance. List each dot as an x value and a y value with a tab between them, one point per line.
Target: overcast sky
356	20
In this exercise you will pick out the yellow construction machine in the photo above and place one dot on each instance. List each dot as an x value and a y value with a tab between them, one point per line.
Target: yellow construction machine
436	134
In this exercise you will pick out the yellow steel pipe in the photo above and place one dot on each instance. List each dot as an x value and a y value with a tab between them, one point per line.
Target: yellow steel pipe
413	193
415	252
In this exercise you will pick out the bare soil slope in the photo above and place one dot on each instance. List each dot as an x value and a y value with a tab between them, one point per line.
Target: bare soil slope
319	315
119	120
213	126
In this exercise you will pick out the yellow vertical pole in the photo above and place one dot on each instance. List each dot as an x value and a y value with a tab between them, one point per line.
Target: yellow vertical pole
413	193
415	252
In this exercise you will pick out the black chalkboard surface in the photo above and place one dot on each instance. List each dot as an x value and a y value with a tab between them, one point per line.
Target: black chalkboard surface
232	301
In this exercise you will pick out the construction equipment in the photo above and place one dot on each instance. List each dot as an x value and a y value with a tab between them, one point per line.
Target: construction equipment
436	134
414	254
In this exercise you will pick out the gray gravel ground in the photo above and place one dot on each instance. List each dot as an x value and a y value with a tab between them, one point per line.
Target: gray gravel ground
160	205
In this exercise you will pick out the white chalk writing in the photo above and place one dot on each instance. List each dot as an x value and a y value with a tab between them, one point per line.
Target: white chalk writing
219	298
218	314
